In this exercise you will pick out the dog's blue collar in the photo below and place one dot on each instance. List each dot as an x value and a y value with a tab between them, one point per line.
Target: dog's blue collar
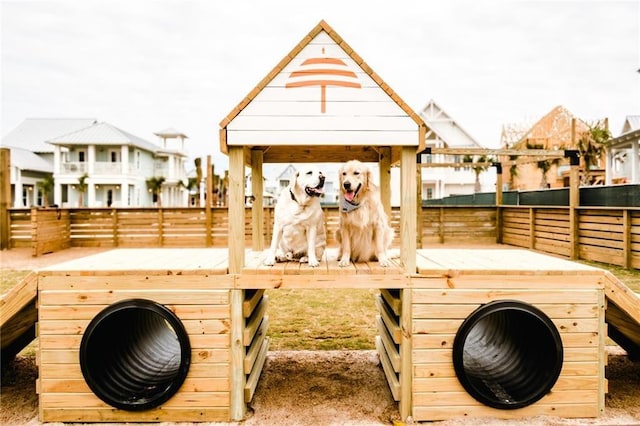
347	206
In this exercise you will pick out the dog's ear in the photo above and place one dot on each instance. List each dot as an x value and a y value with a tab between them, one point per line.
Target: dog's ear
368	181
294	180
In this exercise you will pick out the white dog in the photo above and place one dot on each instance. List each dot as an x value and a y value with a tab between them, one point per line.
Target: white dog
364	233
298	227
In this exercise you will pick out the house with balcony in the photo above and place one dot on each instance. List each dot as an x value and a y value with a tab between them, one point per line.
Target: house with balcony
444	132
113	167
32	157
623	154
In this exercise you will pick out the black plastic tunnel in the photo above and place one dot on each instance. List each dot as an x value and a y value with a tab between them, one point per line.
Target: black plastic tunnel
135	354
507	354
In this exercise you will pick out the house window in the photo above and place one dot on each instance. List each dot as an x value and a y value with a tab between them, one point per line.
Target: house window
81	156
429	193
114	156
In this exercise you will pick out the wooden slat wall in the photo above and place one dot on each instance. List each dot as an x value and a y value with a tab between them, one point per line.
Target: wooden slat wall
440	305
20	228
50	231
601	236
609	235
458	224
66	306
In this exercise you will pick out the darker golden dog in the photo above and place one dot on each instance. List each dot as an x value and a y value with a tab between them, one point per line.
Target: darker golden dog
364	233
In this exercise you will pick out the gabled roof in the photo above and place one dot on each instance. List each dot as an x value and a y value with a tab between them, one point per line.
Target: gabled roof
103	134
554	128
446	128
33	133
319	36
24	159
631	123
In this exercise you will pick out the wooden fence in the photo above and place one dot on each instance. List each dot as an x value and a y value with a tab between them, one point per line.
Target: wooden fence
608	235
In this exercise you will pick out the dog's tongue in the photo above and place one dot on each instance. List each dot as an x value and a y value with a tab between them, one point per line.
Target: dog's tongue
349	196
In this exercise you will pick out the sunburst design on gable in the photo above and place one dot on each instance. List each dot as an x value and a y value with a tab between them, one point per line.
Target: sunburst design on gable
323	71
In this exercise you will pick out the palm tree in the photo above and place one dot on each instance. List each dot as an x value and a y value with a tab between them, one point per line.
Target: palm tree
592	145
198	164
513	171
192	183
480	165
544	165
155	187
46	186
82	188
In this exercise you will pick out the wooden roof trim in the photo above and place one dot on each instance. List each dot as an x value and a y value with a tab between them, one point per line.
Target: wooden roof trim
323	26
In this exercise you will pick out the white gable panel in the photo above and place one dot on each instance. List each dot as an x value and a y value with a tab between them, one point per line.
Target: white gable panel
308	123
331	138
323	89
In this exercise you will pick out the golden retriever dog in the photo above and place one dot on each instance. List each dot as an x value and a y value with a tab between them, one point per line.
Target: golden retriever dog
364	233
298	227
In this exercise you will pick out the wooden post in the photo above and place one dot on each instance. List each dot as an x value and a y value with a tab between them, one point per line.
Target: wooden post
408	248
532	228
499	202
574	202
160	227
257	209
236	211
5	197
208	199
114	226
626	238
385	179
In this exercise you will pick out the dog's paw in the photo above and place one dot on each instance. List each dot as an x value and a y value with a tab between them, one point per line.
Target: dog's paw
314	263
269	261
384	261
344	262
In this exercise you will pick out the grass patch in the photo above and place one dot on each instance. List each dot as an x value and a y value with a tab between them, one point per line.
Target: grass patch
630	277
322	319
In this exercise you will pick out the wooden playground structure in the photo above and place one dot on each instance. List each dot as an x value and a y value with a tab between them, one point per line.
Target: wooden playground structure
438	308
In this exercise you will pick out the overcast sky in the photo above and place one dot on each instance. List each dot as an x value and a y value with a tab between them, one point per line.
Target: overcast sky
144	66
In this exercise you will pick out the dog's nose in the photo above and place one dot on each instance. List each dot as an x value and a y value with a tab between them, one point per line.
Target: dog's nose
321	177
346	184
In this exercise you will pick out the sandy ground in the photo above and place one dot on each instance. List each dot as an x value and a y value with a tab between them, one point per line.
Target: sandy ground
314	387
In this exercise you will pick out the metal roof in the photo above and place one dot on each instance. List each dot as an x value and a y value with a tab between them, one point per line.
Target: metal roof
33	133
103	134
446	128
24	159
631	123
170	132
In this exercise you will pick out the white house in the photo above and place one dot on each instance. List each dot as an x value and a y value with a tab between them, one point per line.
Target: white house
623	161
116	166
32	157
445	132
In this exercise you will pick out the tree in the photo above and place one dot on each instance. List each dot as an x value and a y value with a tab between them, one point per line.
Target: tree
513	171
198	164
592	145
155	186
481	164
544	165
192	184
46	186
82	188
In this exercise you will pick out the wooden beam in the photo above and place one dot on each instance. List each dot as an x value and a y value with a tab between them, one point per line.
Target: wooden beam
408	218
257	210
385	179
5	197
207	203
553	153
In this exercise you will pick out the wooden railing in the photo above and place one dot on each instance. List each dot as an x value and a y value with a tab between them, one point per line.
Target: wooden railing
608	235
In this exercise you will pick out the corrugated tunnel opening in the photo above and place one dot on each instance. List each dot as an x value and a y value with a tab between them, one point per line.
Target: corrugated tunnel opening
507	354
135	354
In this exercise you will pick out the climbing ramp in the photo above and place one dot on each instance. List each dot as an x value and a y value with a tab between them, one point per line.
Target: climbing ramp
623	315
18	316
